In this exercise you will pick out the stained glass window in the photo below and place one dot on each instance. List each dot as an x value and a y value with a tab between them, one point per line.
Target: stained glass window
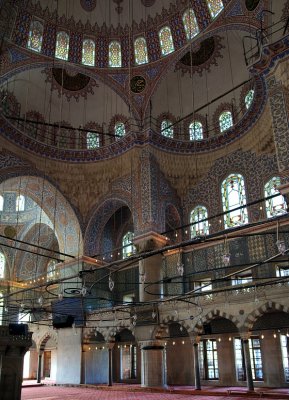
190	23
215	7
249	98
62	45
166	40
200	227
225	120
196	130
88	52
92	140
127	245
20	203
119	130
140	51
35	36
2	265
167	129
276	205
1	203
234	196
114	54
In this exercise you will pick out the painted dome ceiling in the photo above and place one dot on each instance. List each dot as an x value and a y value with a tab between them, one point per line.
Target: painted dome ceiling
57	100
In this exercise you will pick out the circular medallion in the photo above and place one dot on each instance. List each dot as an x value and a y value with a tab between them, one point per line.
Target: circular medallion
88	5
252	4
10	232
137	84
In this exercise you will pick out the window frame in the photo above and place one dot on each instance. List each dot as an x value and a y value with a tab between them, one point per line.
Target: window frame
110	63
224	128
205	364
172	48
83	55
35	21
146	51
65	58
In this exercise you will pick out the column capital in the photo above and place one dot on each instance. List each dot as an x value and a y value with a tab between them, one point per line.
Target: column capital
195	338
152	344
150	241
245	335
110	345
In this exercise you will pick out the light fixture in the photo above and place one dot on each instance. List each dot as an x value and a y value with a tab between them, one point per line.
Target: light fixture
142	273
280	242
83	290
226	255
262	336
110	283
154	314
274	335
180	265
230	339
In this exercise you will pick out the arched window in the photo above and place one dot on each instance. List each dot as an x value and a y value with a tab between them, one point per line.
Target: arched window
198	214
114	55
35	36
249	98
88	52
140	51
62	46
127	245
234	196
215	7
1	203
2	266
225	120
92	140
51	272
119	130
167	129
196	130
166	40
190	23
20	203
276	205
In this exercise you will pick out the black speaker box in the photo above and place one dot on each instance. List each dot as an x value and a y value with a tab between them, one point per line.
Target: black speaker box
18	329
62	321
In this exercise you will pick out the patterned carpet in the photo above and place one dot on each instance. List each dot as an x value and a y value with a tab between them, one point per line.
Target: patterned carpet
77	393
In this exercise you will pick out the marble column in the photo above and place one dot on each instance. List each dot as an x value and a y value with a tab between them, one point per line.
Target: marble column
39	367
110	346
12	350
196	341
153	364
248	367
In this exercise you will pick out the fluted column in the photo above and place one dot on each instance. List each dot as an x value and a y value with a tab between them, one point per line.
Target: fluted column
153	364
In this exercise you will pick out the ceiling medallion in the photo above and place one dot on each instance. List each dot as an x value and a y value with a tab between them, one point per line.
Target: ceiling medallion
202	57
137	84
148	3
252	4
70	83
88	5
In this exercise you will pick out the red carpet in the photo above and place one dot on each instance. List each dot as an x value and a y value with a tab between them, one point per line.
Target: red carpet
78	393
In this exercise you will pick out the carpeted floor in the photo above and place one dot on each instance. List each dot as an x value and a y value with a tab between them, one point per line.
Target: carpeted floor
79	393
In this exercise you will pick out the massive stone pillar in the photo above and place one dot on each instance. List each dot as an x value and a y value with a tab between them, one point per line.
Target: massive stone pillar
12	350
153	364
150	268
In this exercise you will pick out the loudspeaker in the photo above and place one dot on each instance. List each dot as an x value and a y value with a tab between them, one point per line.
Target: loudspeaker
62	321
18	329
